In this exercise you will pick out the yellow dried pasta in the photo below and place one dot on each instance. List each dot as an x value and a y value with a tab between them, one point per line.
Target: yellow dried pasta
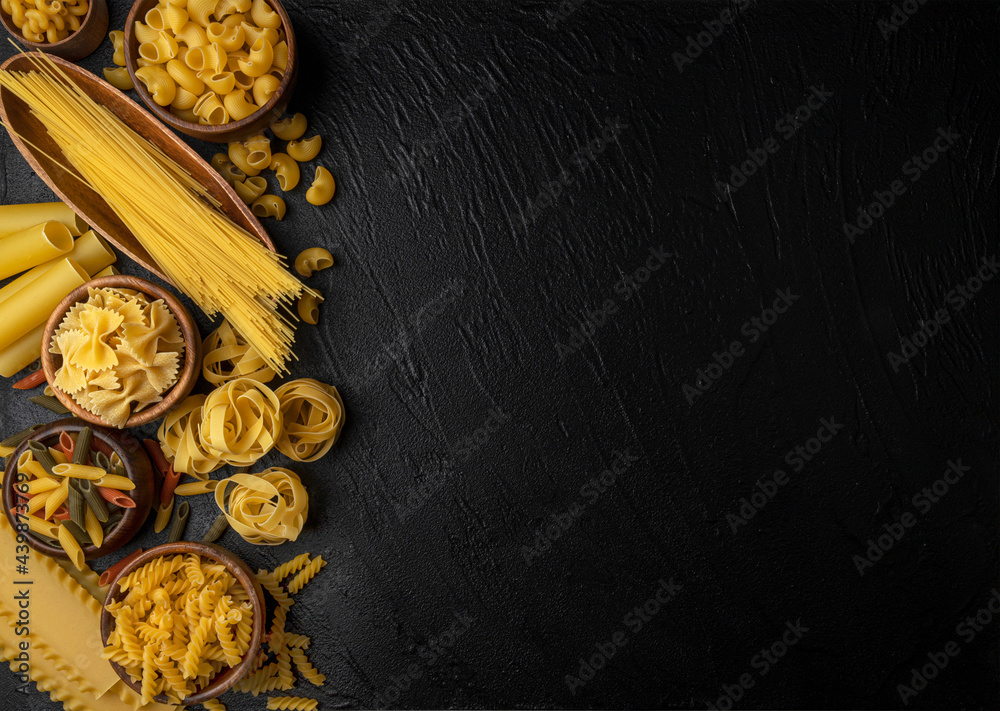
180	439
267	509
313	416
174	627
228	356
120	353
241	421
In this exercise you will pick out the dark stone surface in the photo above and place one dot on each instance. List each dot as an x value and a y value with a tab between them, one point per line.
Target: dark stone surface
479	413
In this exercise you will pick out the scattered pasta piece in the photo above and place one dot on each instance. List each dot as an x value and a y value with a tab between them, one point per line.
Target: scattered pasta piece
313	260
119	78
304	150
291	703
322	188
291	128
308	308
120	353
269	206
287	170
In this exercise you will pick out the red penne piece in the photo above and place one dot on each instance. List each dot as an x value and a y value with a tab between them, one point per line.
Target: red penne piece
30	382
66	444
156	455
116	497
61	514
108	575
170	481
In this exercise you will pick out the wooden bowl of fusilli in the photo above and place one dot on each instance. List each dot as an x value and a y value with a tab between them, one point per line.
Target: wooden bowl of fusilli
158	580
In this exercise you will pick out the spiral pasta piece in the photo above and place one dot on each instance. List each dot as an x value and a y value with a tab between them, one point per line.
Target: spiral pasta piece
268	509
291	703
306	574
313	416
228	356
306	668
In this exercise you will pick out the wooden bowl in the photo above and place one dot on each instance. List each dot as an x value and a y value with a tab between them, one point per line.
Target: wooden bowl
137	468
78	44
234	130
239	570
186	377
45	157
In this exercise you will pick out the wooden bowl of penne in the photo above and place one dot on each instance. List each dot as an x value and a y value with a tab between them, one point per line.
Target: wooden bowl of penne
220	634
71	30
226	75
147	384
110	480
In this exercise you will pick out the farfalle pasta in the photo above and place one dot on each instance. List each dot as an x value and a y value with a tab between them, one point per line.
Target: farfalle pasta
120	353
182	621
313	416
266	509
241	421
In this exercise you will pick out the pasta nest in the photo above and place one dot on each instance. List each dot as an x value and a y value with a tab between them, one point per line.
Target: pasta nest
267	509
313	416
241	422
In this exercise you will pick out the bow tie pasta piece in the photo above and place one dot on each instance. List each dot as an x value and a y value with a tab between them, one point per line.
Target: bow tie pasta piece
70	377
313	416
241	421
98	324
144	341
267	509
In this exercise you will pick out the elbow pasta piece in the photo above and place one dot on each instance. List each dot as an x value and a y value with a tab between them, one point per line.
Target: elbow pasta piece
159	51
201	10
229	38
222	83
287	170
238	153
250	189
158	83
264	88
238	106
176	17
291	128
185	77
280	57
322	189
117	38
210	110
184	99
185	114
192	35
304	150
145	33
119	78
261	56
235	20
156	19
255	33
269	206
313	260
308	308
229	7
262	14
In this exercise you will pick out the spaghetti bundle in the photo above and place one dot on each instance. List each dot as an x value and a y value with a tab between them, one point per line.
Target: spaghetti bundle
222	267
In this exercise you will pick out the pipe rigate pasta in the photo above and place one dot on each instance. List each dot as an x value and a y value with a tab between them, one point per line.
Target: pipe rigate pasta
304	150
264	88
308	308
323	186
269	206
261	56
291	128
287	170
238	105
119	78
158	83
117	38
312	260
250	189
262	14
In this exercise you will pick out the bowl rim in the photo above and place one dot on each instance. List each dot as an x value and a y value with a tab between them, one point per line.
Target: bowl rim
186	378
8	23
164	114
225	680
138	468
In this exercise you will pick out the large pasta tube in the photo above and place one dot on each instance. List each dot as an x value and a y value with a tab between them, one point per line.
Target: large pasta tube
35	245
14	218
22	352
90	251
30	306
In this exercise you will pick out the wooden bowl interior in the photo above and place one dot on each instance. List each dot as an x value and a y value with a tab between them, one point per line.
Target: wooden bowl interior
234	130
138	468
239	570
186	377
76	45
46	158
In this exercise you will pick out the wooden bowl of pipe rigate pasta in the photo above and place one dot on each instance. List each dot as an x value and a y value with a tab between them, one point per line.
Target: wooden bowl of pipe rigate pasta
71	30
183	622
113	490
224	74
120	351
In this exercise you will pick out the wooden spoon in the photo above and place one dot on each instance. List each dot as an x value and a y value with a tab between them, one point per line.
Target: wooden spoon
85	201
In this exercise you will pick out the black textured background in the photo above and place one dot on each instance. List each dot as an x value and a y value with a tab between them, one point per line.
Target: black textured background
480	404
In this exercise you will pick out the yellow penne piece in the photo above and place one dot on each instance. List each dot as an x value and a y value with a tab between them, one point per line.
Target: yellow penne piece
37	486
57	497
71	546
40	526
38	501
80	471
196	487
94	528
114	481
